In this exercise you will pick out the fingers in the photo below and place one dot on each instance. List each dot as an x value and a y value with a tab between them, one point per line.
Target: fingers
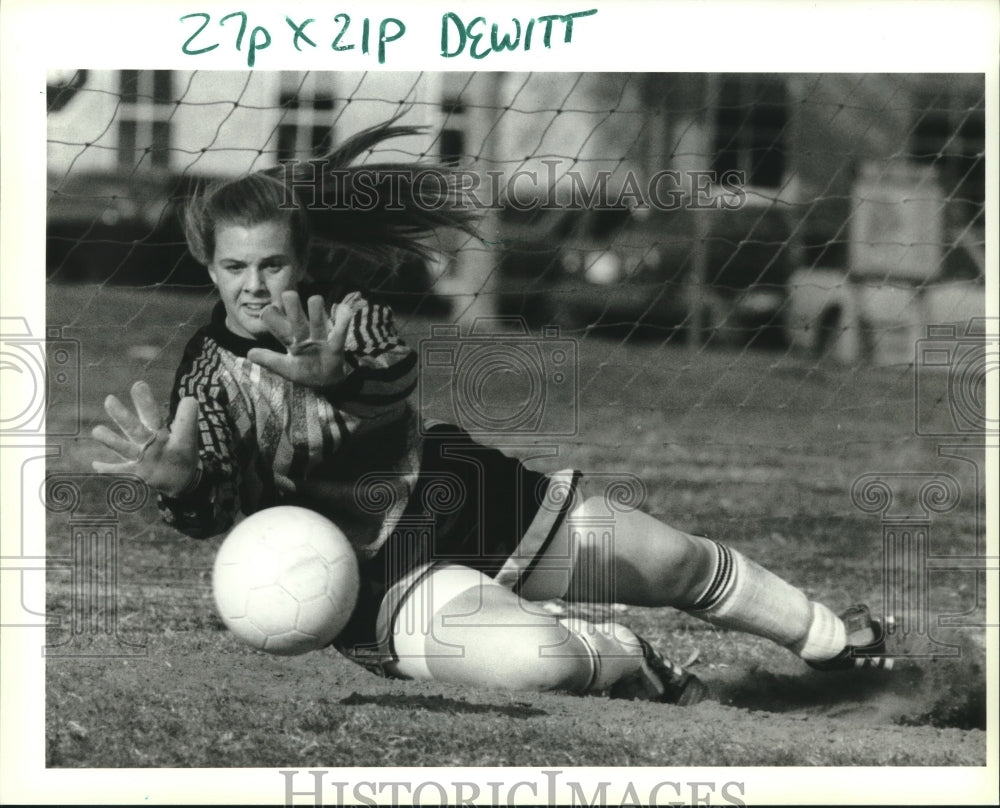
113	468
317	319
351	300
282	364
127	420
293	311
287	322
276	322
343	316
146	407
115	442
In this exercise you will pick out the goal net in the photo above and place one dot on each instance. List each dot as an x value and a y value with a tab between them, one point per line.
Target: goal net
745	290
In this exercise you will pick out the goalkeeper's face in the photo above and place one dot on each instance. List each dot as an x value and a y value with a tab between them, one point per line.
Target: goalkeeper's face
252	266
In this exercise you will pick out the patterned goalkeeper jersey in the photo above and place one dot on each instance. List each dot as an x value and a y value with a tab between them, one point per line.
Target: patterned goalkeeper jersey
265	441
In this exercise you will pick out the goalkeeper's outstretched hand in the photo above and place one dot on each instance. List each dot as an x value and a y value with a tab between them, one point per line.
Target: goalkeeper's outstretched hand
315	346
167	459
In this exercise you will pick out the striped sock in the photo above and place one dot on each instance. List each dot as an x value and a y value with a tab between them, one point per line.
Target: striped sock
613	651
744	596
826	638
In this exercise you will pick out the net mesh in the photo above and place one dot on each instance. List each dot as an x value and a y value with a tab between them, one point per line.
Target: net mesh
716	248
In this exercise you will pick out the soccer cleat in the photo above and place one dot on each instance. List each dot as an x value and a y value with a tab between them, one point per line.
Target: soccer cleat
865	643
659	679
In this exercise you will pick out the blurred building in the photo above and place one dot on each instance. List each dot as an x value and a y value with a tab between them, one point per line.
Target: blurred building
120	140
799	139
216	123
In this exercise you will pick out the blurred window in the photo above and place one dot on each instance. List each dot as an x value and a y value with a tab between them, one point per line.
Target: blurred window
144	118
949	132
305	128
751	115
452	142
452	146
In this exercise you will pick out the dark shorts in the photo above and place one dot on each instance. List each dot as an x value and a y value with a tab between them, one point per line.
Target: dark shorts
472	505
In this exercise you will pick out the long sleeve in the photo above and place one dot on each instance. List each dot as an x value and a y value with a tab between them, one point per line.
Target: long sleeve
383	369
211	503
266	441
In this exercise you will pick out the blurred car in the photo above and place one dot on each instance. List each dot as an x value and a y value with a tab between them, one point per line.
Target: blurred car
855	317
634	269
529	262
110	227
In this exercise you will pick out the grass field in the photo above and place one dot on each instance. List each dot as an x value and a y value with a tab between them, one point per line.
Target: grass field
757	449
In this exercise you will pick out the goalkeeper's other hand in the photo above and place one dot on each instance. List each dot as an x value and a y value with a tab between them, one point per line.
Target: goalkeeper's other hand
315	344
167	459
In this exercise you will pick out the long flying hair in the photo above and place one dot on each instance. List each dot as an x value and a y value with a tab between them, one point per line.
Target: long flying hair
375	210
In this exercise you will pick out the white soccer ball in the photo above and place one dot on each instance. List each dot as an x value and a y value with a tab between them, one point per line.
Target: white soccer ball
285	580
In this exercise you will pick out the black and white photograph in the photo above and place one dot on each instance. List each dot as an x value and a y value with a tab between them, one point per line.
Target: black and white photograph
487	432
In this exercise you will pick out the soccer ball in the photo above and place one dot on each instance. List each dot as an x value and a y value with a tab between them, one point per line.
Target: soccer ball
285	580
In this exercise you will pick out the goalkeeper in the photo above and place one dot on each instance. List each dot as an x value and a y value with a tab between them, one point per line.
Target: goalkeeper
299	393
